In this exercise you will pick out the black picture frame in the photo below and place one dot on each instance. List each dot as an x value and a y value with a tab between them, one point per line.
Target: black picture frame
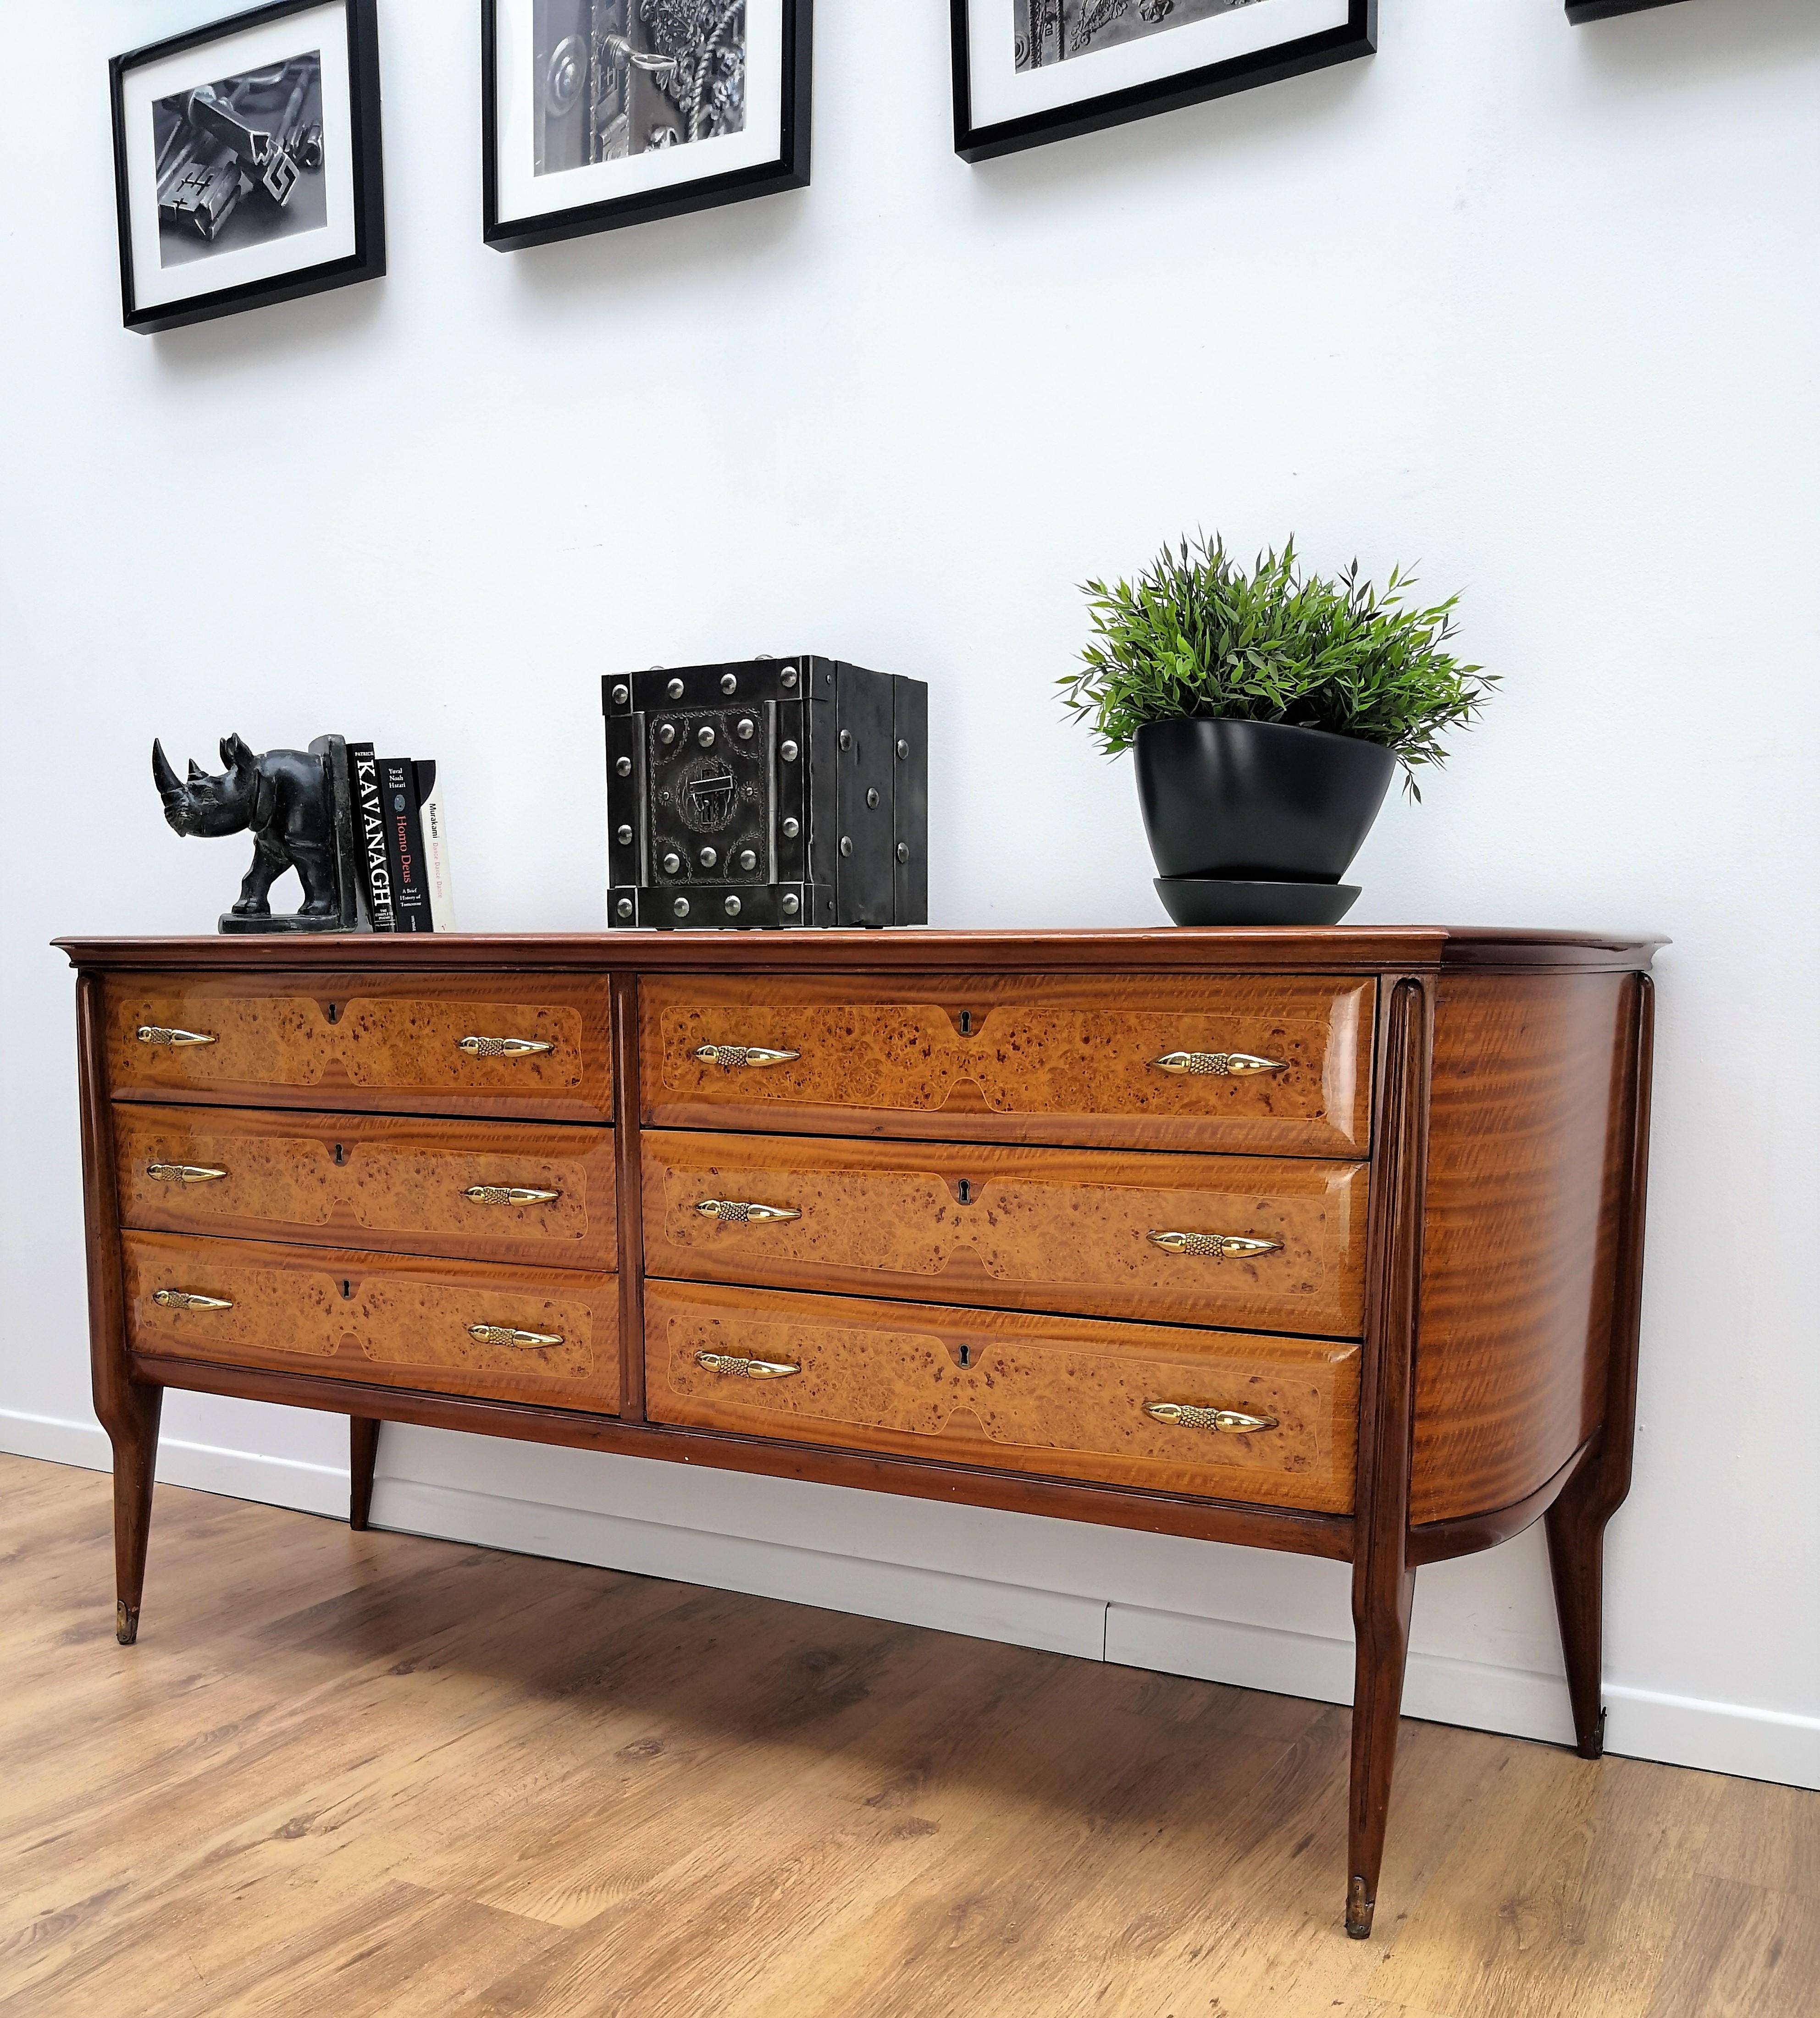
789	171
1578	12
1356	36
367	260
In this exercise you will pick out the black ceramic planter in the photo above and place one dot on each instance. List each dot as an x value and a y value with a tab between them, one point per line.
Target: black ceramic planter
1257	801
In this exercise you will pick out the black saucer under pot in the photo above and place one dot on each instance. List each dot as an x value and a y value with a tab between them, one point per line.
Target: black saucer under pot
1257	801
1217	900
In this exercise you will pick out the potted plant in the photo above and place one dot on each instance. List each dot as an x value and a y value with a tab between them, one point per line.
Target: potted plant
1269	710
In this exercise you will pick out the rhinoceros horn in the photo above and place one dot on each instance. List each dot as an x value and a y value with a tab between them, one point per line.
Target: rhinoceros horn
168	783
197	774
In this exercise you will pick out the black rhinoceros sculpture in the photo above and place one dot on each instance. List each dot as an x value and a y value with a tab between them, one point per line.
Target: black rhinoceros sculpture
294	803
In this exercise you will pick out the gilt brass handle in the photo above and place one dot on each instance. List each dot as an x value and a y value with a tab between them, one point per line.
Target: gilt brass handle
746	1369
1217	1064
1228	1422
1222	1246
501	1047
731	1213
508	1195
153	1033
188	1300
731	1057
183	1173
505	1335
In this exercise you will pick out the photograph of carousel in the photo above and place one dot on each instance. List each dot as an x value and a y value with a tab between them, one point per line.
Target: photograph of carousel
607	112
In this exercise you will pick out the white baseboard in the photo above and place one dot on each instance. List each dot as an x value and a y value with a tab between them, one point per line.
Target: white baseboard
276	1481
1715	1736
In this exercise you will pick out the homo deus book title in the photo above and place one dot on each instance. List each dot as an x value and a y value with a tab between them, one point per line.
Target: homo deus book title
402	829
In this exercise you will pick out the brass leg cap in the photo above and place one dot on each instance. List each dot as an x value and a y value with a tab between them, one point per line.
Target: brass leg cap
125	1622
1358	1911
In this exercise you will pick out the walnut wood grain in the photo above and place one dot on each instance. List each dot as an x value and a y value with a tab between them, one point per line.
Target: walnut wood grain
1171	950
1040	1059
627	1141
1018	1228
371	1181
1384	1576
1527	1169
128	1407
1055	1396
377	1318
363	1040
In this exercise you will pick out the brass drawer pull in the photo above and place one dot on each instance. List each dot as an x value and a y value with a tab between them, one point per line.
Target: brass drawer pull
1217	1064
1228	1422
731	1057
1222	1246
505	1335
152	1033
746	1369
730	1213
183	1173
188	1300
501	1047
508	1195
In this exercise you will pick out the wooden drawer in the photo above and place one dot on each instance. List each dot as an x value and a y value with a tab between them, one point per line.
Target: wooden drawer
367	1181
1059	1060
1058	1396
1029	1229
293	1040
378	1319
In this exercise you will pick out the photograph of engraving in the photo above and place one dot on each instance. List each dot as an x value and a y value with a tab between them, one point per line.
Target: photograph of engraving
240	161
1020	82
1050	31
617	78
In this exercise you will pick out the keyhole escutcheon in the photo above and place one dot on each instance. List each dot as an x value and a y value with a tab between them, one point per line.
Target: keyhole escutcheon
341	1155
967	1022
965	1191
334	1012
966	1355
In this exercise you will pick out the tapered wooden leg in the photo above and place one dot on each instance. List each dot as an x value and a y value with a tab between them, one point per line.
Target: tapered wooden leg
1576	1554
1381	1624
363	1454
132	1428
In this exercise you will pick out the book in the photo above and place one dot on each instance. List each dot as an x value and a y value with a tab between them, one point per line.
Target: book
411	901
370	836
434	821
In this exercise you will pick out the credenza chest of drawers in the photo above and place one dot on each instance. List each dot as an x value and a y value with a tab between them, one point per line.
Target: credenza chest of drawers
1325	1241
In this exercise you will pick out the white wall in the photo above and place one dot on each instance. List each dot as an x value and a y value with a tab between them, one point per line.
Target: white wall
1535	305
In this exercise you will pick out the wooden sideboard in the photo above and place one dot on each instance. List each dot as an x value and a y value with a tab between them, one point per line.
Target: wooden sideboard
1323	1240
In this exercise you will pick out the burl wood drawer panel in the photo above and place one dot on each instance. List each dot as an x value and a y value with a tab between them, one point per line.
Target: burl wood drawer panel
1053	1059
1529	1109
546	1336
480	1191
428	1044
1060	1397
1103	1231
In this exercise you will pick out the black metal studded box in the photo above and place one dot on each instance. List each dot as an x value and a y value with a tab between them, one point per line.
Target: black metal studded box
777	792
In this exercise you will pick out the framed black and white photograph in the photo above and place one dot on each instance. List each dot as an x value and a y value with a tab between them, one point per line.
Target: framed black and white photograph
1029	71
246	160
601	113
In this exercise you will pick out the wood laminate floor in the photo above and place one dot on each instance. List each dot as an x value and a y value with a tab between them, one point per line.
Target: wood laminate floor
367	1774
